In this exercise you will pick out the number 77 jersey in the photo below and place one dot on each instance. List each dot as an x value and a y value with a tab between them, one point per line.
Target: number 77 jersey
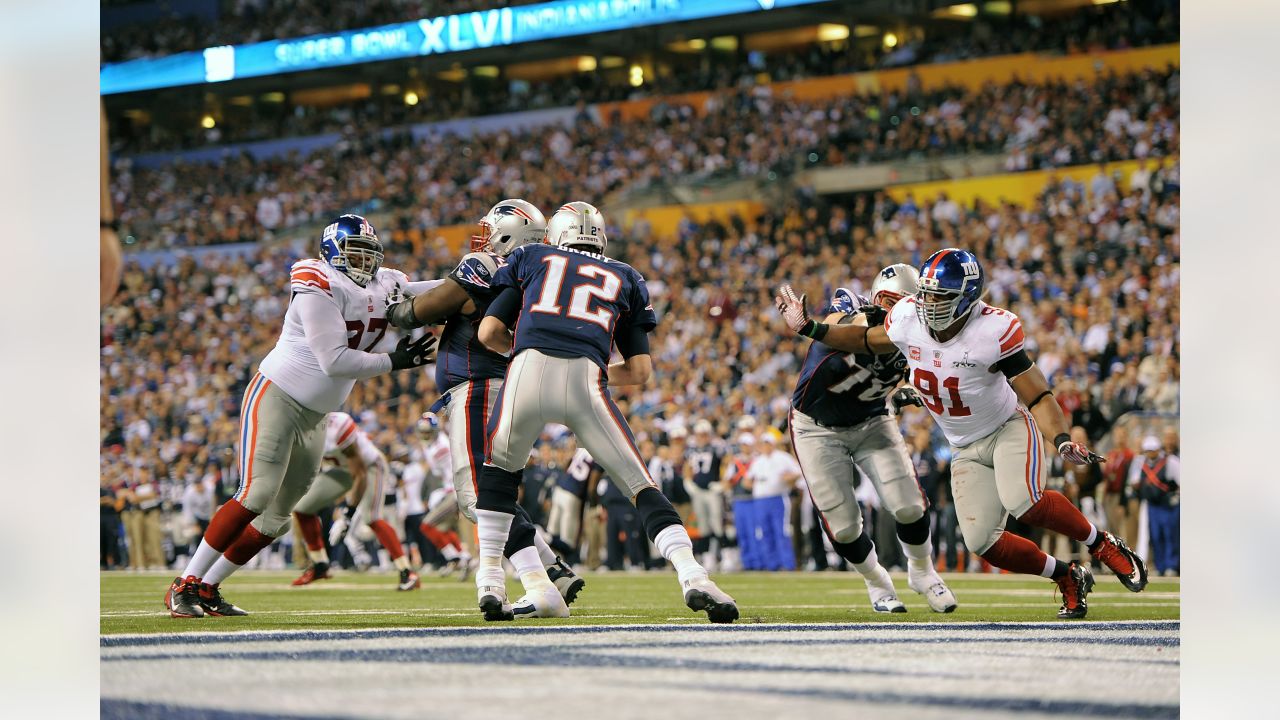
958	380
573	301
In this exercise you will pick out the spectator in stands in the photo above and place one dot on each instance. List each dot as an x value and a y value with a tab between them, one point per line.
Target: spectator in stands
1157	479
770	478
1116	494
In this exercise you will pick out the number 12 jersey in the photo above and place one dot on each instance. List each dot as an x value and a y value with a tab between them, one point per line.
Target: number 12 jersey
969	397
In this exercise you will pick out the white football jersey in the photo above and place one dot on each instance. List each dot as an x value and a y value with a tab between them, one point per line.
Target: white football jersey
340	432
958	380
292	365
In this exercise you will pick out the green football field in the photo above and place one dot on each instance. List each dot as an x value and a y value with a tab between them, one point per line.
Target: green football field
132	602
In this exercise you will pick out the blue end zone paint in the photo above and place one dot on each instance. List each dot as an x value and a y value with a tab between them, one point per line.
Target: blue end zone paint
130	710
251	636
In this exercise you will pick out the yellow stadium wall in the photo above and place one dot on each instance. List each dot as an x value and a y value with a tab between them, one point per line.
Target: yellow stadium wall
1021	188
664	219
971	74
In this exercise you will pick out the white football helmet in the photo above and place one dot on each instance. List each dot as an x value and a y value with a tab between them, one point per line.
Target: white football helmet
577	224
508	225
894	283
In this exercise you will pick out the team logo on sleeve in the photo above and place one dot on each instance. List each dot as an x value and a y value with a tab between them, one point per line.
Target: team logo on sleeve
474	273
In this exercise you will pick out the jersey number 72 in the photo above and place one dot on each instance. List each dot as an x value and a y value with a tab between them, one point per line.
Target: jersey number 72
580	300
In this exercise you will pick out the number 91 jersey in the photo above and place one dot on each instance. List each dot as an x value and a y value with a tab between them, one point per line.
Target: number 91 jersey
293	366
573	301
841	389
958	381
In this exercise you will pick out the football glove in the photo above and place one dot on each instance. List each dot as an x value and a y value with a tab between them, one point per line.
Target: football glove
1077	453
341	522
796	316
904	396
874	313
413	353
400	310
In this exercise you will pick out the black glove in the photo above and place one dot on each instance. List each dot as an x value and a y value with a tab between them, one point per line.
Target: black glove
874	313
904	396
413	353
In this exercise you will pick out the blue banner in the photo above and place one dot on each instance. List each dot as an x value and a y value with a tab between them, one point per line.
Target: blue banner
429	36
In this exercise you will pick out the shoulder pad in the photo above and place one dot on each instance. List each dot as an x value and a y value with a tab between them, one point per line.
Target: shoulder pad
476	269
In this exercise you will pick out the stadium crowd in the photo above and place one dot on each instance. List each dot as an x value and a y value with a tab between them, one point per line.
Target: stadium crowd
745	133
1092	268
1091	29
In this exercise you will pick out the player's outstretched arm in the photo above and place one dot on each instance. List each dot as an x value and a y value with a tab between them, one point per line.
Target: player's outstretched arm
443	299
326	334
846	337
1033	391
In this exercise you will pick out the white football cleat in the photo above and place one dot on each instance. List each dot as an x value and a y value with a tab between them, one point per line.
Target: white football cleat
935	592
702	594
884	599
493	602
541	603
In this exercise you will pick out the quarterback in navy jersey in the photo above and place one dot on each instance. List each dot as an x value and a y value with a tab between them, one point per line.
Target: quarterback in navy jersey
470	373
841	429
569	305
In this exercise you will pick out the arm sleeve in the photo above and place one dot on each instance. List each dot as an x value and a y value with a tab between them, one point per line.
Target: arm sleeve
326	334
506	306
631	341
1014	364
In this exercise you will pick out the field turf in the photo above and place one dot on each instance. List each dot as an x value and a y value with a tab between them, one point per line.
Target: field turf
132	602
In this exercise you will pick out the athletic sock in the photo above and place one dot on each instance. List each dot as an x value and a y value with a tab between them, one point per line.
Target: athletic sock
869	568
1017	554
1053	511
529	568
318	556
225	527
203	559
401	562
547	555
492	527
673	543
387	538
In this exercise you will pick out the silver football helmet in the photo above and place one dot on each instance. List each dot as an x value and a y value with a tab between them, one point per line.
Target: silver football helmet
508	225
577	224
894	283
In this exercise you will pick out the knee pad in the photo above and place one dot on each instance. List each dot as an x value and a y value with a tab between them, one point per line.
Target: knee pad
908	515
846	534
656	512
913	532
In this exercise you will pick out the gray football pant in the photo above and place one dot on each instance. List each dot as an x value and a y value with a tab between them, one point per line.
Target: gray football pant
1003	473
830	459
281	445
333	482
542	389
708	508
469	406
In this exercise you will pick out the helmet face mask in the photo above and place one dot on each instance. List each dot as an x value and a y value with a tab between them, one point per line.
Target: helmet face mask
351	246
508	225
951	282
577	224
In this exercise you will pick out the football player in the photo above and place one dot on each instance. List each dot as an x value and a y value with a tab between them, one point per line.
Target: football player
570	304
967	362
440	526
358	470
472	372
333	331
704	462
568	498
840	426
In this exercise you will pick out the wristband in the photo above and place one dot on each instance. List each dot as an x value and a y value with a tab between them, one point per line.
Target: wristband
113	225
815	330
1060	439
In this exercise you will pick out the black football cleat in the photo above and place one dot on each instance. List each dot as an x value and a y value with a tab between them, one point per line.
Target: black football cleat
566	581
493	603
408	580
1075	586
182	600
1125	563
216	605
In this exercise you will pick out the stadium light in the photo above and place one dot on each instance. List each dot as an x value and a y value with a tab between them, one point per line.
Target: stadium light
831	32
411	98
489	71
890	40
586	63
207	122
637	76
698	44
612	61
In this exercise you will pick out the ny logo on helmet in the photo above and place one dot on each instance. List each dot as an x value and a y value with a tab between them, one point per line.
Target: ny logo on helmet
330	232
970	268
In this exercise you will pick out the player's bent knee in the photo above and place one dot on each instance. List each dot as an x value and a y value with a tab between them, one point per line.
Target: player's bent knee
979	541
908	515
846	533
656	511
271	524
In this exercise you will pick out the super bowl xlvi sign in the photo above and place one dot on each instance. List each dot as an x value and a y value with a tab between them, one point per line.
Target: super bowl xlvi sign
428	36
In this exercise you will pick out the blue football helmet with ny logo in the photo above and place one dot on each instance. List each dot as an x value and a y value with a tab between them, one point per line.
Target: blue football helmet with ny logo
351	246
951	283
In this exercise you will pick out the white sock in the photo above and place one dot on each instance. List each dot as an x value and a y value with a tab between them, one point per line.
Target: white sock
674	544
318	556
493	527
401	563
547	555
449	552
529	569
1050	564
204	559
1093	535
870	566
919	557
221	570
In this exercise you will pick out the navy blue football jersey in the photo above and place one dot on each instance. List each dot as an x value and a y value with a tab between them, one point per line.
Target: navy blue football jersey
462	356
840	389
705	462
573	301
575	476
